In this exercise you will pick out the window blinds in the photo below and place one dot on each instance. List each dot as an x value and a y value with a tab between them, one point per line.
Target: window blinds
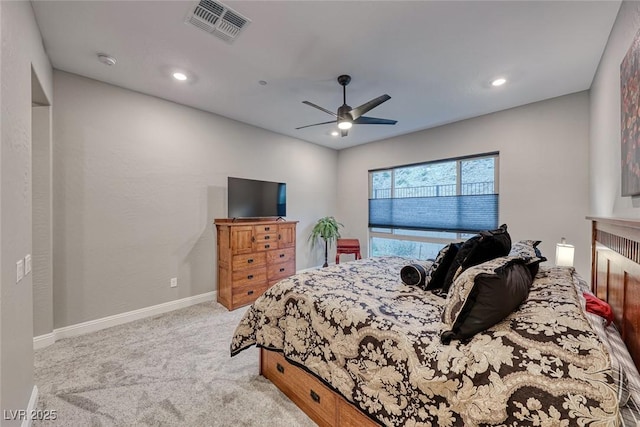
467	213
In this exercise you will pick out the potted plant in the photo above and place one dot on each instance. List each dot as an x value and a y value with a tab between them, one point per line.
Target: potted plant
327	229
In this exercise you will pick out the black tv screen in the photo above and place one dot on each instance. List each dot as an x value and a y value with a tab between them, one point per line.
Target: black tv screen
249	198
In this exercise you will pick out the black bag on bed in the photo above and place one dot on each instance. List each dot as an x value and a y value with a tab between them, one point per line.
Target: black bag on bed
413	274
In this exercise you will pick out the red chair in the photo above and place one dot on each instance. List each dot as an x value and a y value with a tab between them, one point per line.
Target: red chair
347	246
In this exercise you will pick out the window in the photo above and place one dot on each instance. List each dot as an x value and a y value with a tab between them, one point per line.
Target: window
415	210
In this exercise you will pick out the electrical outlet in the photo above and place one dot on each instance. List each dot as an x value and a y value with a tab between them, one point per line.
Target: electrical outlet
19	270
174	282
27	264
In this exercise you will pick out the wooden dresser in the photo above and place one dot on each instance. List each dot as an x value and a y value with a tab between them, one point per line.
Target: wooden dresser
252	256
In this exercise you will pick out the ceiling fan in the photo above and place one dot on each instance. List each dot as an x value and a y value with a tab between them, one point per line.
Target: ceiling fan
347	116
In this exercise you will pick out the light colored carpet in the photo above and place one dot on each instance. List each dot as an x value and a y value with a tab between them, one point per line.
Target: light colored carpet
169	370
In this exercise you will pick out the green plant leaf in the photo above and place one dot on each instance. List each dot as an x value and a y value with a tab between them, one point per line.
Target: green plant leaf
326	229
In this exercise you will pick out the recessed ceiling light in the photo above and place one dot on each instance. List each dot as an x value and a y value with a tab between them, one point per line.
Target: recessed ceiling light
499	82
106	59
335	133
180	76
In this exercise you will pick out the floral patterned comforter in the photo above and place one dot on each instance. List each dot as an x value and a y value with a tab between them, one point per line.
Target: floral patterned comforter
376	341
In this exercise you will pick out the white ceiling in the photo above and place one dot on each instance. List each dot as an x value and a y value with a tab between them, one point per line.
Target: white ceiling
435	59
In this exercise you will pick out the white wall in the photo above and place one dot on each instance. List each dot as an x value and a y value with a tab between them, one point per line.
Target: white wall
605	144
543	169
138	182
42	219
21	50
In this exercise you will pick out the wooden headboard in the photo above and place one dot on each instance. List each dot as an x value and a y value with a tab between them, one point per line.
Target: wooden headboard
615	274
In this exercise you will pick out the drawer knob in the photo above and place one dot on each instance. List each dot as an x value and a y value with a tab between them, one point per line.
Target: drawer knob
267	237
267	228
250	276
250	261
250	293
280	368
315	396
282	269
281	255
267	246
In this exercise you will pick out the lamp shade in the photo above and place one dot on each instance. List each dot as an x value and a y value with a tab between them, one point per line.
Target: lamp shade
564	254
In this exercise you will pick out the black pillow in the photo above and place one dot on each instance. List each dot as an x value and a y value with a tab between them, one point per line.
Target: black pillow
438	272
482	247
529	252
483	296
413	274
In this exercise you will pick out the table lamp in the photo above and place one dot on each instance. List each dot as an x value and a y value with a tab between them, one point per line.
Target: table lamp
564	254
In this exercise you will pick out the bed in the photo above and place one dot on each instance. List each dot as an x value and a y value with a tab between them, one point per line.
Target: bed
352	345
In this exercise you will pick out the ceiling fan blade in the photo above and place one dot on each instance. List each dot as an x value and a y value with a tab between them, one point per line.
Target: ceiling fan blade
344	132
311	104
316	124
362	120
359	111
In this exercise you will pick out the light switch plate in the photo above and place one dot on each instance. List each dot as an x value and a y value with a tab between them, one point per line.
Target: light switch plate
19	270
27	264
174	282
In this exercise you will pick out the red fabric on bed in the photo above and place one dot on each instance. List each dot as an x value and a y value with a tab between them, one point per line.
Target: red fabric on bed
599	307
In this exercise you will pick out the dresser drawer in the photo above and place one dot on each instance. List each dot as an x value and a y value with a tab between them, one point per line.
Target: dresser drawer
267	237
266	228
246	277
281	255
304	389
247	293
249	261
279	271
266	245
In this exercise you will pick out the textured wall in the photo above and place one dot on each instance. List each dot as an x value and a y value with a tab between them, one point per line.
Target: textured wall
604	146
42	222
543	169
138	182
21	50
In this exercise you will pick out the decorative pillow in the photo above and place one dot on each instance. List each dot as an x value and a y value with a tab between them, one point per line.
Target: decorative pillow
439	268
483	295
480	248
529	252
414	274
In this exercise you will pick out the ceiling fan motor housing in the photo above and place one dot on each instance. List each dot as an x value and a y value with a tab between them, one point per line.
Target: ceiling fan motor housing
344	113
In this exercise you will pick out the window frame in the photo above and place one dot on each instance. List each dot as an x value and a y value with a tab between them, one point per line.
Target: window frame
393	233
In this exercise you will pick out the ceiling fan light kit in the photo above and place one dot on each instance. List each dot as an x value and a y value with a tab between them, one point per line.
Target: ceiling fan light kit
345	124
347	116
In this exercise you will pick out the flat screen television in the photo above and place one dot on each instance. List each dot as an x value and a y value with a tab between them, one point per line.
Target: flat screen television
250	198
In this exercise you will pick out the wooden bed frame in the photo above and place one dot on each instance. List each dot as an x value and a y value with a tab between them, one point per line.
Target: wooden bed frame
615	274
323	405
615	278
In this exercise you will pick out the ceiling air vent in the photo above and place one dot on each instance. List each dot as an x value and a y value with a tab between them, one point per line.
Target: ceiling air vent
217	19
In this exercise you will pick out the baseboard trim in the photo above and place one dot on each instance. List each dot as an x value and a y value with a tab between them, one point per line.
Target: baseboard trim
31	408
119	319
42	341
317	267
